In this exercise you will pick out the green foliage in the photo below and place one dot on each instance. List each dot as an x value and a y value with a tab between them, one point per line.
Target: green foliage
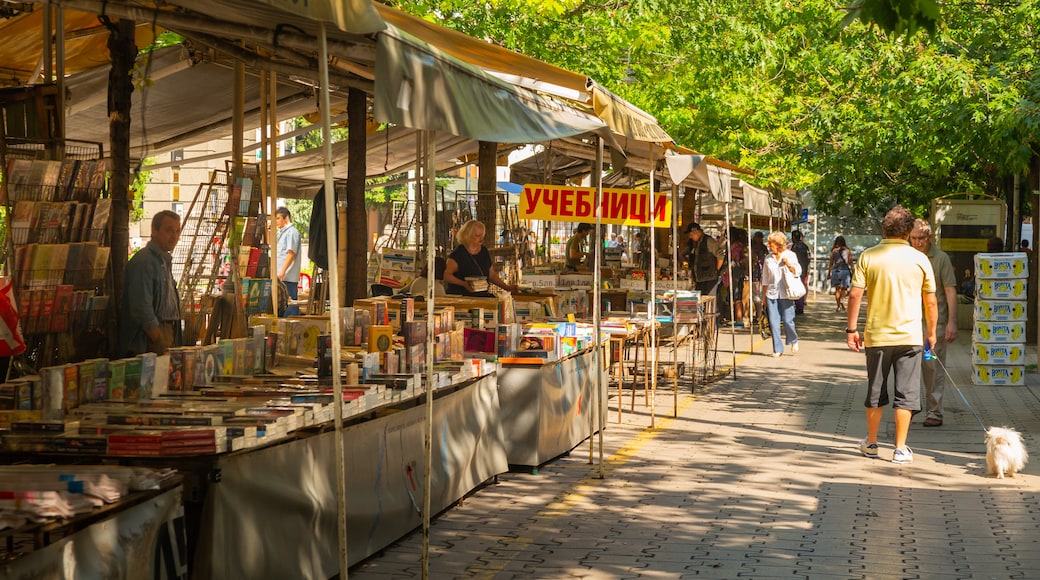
381	196
312	139
896	17
799	93
137	190
300	210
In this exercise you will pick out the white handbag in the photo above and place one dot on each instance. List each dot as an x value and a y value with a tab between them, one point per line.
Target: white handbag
793	285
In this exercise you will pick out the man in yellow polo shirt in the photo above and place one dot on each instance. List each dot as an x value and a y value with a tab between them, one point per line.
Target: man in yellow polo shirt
898	279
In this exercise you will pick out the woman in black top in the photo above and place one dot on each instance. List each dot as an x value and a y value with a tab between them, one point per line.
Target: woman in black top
472	260
840	271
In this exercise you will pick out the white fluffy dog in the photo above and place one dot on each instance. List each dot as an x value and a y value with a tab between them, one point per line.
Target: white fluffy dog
1005	453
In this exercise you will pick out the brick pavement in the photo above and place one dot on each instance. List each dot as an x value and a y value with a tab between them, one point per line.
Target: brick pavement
758	477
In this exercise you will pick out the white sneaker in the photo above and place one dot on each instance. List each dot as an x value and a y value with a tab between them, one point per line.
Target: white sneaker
794	347
776	354
904	455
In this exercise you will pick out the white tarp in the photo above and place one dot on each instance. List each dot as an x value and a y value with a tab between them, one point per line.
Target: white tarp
420	87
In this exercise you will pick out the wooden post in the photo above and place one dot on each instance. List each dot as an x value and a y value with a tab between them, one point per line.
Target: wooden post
357	235
123	53
487	158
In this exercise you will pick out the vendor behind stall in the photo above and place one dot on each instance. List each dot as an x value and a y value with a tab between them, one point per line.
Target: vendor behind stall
577	257
469	266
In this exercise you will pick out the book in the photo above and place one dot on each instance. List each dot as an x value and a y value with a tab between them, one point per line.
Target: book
79	216
43	323
252	261
62	308
37	169
245	206
99	220
164	420
83	177
52	381
249	233
80	265
101	263
71	387
67	213
23	221
116	380
73	259
66	179
96	183
17	177
132	379
231	209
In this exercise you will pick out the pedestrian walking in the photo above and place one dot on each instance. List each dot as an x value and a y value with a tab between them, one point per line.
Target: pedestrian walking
801	250
840	271
923	240
898	280
779	306
705	257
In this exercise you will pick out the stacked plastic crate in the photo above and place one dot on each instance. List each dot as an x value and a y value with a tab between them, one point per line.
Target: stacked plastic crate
999	330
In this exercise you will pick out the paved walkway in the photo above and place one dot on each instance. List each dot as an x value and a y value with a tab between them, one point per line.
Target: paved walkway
758	477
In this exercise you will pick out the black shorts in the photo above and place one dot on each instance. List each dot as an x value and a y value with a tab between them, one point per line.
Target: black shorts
898	367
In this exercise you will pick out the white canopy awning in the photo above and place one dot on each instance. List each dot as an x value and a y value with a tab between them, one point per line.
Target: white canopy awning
420	87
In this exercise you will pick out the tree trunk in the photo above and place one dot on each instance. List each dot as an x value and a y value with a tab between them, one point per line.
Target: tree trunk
123	53
357	232
487	159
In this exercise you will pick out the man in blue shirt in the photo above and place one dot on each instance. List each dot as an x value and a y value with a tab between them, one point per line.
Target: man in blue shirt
150	320
288	263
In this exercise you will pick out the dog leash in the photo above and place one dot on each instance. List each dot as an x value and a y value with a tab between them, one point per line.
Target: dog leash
961	393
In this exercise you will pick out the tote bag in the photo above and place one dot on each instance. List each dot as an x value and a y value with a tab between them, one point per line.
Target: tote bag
793	284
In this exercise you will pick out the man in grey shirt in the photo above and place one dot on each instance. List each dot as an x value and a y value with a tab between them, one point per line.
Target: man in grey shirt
934	380
150	320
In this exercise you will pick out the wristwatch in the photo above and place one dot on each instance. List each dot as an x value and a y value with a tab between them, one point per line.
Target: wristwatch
850	330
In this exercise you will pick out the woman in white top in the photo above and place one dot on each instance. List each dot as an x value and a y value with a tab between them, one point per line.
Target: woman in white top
777	305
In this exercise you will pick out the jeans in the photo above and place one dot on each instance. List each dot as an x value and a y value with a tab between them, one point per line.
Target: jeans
781	310
292	291
799	305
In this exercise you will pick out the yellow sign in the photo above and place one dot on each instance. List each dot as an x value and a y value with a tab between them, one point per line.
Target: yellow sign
576	204
963	245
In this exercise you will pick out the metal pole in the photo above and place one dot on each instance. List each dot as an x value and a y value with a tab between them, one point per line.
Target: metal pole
652	359
599	397
751	289
429	183
815	266
675	300
334	299
729	269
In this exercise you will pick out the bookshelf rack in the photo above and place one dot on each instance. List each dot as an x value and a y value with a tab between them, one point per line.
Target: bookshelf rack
56	244
224	217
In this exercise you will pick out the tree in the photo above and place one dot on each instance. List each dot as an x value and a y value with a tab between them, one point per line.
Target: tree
799	93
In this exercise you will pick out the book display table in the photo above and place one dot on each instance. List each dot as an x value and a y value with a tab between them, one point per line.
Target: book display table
547	406
140	536
271	512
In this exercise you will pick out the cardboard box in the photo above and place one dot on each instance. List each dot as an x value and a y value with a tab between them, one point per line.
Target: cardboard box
998	374
998	354
1005	310
629	284
1000	289
1002	266
998	331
